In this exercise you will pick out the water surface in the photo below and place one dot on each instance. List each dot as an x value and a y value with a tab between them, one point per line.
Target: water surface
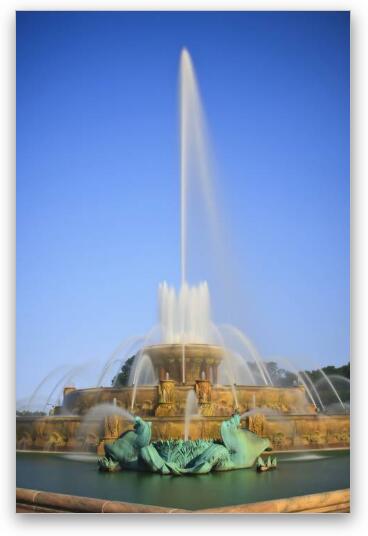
297	474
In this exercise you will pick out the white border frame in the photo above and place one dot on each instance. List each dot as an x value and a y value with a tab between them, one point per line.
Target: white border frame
273	525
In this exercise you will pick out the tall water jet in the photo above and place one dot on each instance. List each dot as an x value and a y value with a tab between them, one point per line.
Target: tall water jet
194	164
185	69
196	172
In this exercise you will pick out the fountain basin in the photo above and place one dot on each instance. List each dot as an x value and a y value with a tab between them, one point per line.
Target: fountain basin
286	432
298	473
199	360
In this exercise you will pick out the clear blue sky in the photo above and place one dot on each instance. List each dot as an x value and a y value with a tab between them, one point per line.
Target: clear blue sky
98	185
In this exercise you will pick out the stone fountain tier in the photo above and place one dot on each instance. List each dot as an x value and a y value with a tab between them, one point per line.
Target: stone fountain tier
169	398
286	432
200	361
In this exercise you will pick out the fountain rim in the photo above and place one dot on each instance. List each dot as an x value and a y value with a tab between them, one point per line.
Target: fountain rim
180	386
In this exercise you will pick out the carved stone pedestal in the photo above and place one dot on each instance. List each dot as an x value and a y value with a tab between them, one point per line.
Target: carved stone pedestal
166	398
112	430
203	389
256	423
112	427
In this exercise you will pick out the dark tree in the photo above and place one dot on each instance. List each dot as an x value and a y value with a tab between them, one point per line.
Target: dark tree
122	377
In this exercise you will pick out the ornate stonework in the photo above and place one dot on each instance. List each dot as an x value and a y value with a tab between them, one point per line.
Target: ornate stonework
166	398
166	392
203	391
112	426
285	432
256	423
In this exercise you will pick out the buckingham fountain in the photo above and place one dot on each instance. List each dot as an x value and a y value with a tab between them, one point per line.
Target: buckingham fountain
192	381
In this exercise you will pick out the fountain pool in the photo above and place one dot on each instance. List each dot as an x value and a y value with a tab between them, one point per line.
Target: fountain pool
297	474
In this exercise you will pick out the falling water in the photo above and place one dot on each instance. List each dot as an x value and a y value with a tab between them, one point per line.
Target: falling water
333	388
144	374
238	335
124	347
315	390
243	372
339	378
229	372
299	376
147	340
63	382
42	384
191	410
335	379
227	364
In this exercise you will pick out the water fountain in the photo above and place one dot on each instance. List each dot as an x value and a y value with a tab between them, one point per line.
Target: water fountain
187	364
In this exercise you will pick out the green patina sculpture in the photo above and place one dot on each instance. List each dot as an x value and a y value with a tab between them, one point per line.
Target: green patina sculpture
262	465
133	450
